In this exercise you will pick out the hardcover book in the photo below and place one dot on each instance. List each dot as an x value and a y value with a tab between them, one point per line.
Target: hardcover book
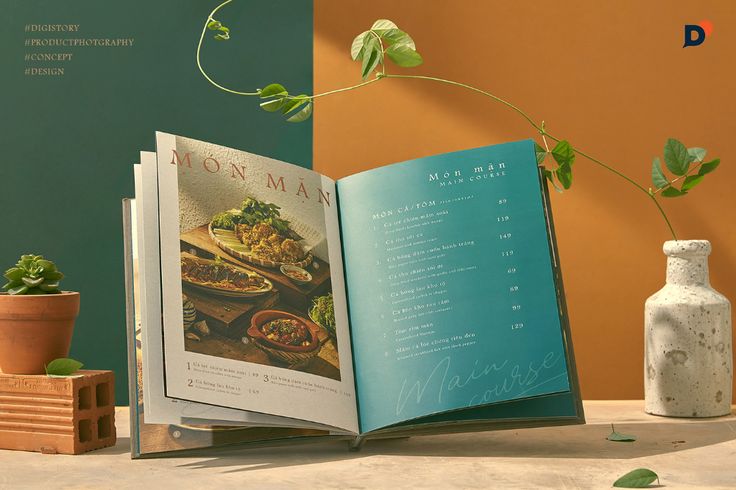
269	303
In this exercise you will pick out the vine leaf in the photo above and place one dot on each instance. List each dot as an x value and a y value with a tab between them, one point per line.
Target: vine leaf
224	35
658	178
676	157
271	90
368	47
708	167
540	152
564	175
563	153
691	181
372	56
638	478
224	32
565	157
397	36
549	175
383	25
356	49
303	114
404	56
697	153
294	103
673	192
273	105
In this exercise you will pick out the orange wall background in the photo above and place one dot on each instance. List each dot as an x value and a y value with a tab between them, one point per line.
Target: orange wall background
612	78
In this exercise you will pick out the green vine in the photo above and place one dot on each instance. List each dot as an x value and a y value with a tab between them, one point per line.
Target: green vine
385	40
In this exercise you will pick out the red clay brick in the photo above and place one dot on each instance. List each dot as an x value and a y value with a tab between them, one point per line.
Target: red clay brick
69	415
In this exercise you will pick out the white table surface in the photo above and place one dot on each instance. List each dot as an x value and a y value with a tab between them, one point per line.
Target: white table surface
686	453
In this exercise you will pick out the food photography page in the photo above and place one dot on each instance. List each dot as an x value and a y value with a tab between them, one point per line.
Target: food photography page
254	311
158	408
449	275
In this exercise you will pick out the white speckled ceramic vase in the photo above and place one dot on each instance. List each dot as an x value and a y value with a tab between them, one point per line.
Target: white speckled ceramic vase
687	339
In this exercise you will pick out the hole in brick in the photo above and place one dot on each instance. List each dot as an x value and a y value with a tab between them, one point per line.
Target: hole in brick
85	430
104	427
102	393
85	398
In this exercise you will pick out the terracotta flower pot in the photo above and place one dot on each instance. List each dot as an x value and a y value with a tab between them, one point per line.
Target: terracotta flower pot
34	330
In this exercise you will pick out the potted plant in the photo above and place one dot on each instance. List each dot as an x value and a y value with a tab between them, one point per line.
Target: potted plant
688	353
36	317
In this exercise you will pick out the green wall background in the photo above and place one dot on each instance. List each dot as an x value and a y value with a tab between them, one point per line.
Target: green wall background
68	143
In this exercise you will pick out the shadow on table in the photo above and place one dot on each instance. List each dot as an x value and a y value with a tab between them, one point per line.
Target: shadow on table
122	446
574	442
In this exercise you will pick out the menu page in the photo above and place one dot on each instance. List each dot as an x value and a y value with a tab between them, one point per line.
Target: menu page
252	285
450	284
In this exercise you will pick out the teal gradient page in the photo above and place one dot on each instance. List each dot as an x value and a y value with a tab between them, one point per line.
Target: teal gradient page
450	284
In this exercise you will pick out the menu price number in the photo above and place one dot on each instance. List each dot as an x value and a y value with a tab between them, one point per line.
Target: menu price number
517	325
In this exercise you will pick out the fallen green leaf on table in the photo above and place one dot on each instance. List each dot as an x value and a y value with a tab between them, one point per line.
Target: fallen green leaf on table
638	478
618	437
63	367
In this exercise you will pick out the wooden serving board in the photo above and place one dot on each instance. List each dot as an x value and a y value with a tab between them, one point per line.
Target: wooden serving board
298	296
229	316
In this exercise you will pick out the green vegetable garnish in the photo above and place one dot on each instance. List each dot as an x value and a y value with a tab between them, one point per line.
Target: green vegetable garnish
323	311
254	212
224	220
251	213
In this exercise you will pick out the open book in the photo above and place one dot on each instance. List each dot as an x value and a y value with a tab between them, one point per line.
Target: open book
268	302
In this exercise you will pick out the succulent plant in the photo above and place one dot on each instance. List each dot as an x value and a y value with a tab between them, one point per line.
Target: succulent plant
33	275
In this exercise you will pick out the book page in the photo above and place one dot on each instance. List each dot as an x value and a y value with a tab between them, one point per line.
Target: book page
254	308
450	281
160	409
148	439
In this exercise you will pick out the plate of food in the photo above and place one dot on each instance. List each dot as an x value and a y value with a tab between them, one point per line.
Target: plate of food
322	313
284	336
296	274
218	277
257	233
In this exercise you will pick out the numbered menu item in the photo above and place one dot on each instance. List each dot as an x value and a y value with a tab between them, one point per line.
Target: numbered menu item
421	297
